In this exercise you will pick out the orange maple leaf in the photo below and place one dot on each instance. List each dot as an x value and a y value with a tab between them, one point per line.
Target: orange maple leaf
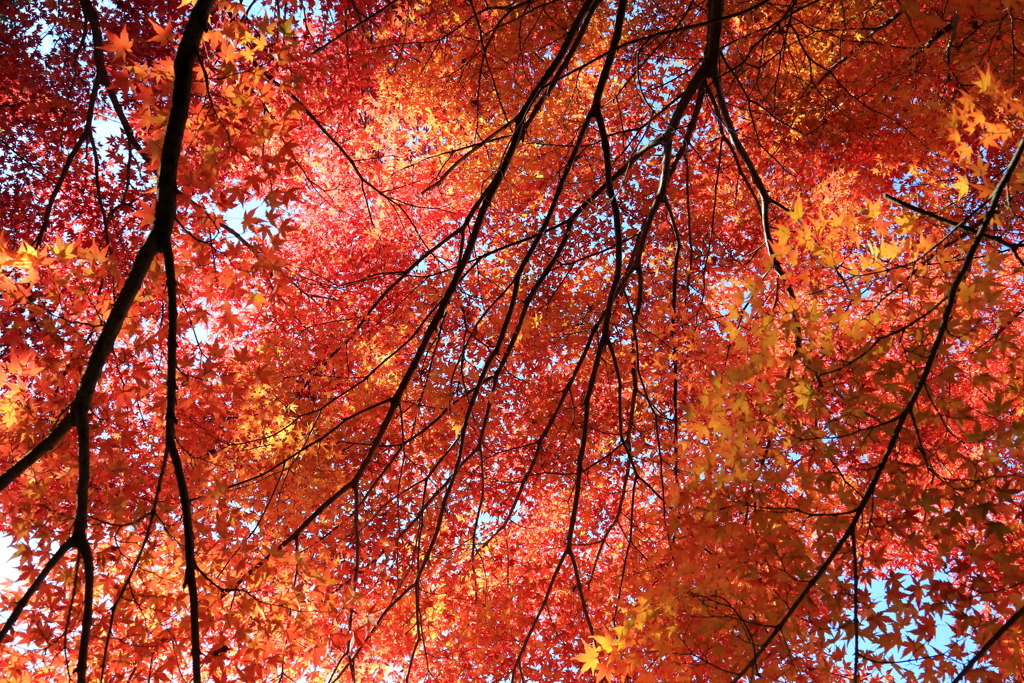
161	34
119	45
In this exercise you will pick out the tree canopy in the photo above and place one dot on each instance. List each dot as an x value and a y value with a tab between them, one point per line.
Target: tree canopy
538	341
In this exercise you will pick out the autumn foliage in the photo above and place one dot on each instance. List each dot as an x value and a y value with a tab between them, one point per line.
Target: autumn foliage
443	341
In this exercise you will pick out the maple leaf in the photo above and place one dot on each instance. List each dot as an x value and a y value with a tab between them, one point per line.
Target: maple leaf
590	659
798	210
985	80
509	360
162	34
119	45
962	187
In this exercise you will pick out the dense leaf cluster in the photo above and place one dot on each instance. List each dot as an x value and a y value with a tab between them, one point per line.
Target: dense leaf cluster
365	340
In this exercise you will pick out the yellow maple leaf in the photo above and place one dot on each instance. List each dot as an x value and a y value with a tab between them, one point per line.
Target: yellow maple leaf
607	643
590	659
984	81
889	250
962	186
798	210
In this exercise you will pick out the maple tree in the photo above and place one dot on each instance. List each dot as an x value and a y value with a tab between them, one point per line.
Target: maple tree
445	341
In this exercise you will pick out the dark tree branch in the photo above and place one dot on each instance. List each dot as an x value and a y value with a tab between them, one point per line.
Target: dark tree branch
901	418
32	589
163	223
171	446
996	637
93	19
